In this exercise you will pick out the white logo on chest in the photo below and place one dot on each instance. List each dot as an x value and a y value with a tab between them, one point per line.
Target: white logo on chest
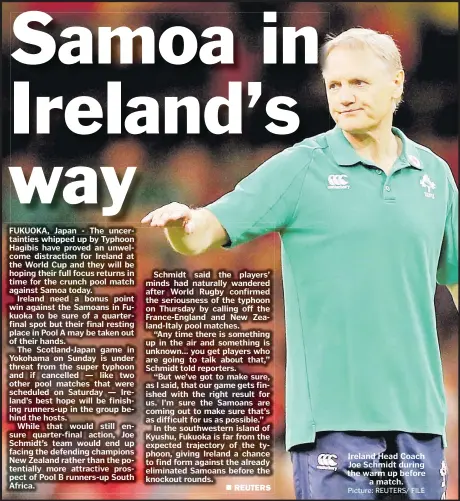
338	182
428	184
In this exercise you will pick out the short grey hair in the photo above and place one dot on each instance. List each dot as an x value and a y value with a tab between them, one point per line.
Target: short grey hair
381	44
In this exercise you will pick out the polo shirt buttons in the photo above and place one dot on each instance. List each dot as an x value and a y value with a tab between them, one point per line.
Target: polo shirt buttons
387	188
378	171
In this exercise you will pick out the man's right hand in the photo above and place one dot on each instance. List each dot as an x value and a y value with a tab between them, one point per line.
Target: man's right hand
189	231
172	215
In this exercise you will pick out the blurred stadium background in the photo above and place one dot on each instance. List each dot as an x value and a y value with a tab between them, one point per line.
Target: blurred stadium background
198	169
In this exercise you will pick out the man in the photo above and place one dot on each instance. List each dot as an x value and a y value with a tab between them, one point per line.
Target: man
368	224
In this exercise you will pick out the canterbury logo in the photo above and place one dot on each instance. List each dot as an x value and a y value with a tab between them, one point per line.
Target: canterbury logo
327	462
443	472
338	182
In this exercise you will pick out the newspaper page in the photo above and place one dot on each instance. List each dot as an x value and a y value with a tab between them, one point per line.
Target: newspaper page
229	250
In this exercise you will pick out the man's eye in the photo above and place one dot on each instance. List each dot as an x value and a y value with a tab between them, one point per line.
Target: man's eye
360	83
332	86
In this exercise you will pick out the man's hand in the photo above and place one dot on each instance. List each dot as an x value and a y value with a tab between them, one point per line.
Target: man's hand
189	231
453	289
171	215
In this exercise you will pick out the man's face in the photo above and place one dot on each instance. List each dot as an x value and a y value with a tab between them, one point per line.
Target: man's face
360	87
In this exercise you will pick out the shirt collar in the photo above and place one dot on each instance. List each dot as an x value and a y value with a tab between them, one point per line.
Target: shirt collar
344	153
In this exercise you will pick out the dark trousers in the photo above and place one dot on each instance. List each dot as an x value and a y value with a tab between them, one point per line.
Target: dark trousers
380	465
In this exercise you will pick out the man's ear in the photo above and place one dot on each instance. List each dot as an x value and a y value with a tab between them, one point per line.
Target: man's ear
398	82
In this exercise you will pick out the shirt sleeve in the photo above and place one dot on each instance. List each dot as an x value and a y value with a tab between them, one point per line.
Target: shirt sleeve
447	273
264	201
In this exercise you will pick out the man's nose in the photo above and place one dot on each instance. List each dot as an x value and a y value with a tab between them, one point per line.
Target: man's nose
346	96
